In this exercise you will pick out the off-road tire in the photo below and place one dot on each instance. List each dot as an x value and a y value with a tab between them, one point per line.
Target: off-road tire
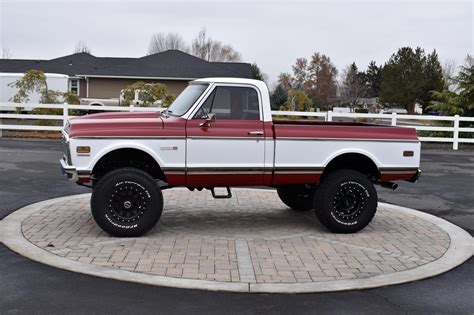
126	202
345	201
297	198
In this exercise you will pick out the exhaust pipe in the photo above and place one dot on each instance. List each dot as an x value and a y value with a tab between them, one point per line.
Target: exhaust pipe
389	185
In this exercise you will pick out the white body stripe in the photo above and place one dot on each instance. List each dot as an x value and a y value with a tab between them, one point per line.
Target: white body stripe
304	153
215	153
239	153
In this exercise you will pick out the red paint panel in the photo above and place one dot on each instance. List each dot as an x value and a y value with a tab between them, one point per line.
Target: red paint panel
83	180
223	128
223	180
127	125
337	131
295	179
176	180
392	177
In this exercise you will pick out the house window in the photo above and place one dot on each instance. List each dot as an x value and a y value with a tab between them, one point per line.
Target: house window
74	86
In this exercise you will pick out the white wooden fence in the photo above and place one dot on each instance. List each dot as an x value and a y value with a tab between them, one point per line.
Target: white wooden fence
420	122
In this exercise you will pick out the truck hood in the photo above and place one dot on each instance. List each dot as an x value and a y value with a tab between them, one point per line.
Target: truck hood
124	124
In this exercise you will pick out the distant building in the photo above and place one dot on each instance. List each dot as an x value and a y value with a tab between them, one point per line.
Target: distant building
105	77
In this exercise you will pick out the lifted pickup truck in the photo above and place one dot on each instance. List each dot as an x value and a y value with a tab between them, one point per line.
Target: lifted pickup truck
219	132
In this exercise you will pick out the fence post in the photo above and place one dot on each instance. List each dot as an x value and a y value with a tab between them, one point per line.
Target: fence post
394	119
65	114
329	115
456	132
132	107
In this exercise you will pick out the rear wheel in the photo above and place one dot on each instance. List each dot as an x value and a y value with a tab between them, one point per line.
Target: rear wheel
298	198
345	201
126	202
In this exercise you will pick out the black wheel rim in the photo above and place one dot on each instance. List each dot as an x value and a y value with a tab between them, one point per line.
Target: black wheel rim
127	203
349	201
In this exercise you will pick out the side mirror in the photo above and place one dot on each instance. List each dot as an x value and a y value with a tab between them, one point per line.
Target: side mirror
211	117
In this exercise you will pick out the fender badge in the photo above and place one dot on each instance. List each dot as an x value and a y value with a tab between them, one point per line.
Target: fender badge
169	148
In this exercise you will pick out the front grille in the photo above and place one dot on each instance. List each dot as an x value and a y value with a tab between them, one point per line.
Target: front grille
66	150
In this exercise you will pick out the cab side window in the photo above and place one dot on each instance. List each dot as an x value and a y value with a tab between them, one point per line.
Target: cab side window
236	103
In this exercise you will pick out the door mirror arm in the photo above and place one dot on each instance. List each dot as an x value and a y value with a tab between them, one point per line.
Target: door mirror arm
211	117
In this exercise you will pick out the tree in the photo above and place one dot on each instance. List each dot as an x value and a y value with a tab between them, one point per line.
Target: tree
161	42
301	74
297	101
461	100
150	93
449	70
209	49
33	81
257	74
373	79
432	79
6	54
409	77
285	81
81	47
278	97
317	78
353	87
322	75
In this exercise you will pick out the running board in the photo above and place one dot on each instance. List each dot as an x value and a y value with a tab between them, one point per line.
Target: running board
229	194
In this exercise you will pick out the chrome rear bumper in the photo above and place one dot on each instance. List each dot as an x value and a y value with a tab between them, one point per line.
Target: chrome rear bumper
415	178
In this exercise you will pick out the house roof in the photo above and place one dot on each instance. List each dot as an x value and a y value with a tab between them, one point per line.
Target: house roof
9	65
167	64
172	64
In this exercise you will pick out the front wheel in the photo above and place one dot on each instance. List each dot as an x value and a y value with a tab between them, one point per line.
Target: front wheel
126	202
345	201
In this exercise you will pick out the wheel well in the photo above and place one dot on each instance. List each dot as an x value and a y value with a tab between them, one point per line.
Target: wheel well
128	158
354	161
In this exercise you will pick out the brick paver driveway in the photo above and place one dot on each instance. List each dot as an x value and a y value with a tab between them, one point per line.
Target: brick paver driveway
252	238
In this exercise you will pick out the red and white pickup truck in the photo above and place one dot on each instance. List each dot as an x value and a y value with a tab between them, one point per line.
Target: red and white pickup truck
219	132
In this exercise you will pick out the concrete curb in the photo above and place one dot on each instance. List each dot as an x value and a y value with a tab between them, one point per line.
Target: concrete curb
461	249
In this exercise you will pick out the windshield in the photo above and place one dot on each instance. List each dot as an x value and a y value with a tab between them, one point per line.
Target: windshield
186	99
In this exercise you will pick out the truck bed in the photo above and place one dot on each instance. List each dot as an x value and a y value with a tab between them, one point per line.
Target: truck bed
313	129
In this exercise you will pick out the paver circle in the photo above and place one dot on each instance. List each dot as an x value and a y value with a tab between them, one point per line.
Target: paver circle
250	243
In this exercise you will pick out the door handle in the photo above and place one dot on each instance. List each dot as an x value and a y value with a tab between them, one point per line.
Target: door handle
255	133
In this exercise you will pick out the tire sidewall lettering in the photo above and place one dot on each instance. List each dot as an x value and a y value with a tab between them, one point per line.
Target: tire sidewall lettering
355	183
121	225
134	183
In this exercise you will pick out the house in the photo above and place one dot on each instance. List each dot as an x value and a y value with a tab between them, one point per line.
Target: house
105	77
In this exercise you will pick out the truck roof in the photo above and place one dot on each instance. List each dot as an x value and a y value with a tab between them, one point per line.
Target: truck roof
229	80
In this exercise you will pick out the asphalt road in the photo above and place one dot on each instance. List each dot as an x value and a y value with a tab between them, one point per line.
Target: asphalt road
29	173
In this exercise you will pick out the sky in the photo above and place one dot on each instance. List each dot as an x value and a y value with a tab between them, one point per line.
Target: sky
271	33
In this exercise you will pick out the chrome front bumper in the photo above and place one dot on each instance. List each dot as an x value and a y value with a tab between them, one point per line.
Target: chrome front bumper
68	171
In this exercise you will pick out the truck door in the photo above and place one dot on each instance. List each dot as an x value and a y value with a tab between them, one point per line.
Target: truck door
229	149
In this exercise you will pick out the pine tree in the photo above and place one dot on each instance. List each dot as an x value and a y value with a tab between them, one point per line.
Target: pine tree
409	77
257	73
373	79
278	97
353	86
